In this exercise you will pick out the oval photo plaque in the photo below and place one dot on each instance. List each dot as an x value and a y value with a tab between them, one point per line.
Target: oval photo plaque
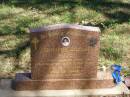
65	41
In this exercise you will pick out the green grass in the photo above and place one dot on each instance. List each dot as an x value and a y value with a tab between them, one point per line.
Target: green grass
113	17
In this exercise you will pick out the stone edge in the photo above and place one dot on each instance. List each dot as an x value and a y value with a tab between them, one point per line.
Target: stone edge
61	85
70	26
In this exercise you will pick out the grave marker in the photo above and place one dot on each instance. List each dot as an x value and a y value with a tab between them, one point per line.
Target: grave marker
63	56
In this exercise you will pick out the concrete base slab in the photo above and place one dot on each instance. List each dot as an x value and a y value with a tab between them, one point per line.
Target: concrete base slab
6	91
23	81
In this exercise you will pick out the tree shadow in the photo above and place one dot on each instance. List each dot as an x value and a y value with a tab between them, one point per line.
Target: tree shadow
120	16
15	52
104	7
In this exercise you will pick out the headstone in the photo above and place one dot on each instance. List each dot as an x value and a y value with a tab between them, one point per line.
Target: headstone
63	56
64	52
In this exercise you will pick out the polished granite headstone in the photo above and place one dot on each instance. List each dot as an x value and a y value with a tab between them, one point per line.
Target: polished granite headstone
63	56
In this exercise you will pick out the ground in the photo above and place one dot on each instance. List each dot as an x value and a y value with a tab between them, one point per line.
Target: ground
112	16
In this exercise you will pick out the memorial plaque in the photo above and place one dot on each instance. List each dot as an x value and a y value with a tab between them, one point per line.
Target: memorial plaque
63	56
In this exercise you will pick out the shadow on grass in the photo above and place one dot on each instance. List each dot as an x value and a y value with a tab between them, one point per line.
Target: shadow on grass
15	52
104	7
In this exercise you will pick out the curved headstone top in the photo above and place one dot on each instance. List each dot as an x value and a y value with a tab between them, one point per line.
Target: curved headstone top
65	26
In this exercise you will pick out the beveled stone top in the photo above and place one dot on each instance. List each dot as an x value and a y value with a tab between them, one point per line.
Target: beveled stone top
64	26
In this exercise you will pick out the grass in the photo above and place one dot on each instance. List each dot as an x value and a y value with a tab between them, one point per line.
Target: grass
113	18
